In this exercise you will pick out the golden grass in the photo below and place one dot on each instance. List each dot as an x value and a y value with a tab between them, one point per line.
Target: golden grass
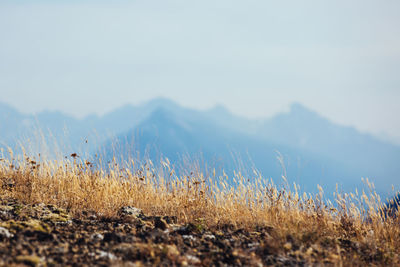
76	186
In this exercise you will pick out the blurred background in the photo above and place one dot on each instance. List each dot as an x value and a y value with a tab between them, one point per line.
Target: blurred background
305	89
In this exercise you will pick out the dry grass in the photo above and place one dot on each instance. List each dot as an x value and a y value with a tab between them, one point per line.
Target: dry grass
77	186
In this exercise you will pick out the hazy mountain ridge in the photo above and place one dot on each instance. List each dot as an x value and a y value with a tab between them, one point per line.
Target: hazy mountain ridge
165	133
68	132
314	150
346	145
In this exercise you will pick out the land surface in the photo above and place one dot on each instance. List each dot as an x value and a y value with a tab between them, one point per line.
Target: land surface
45	235
69	214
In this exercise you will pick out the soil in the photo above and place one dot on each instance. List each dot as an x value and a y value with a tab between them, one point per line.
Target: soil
44	235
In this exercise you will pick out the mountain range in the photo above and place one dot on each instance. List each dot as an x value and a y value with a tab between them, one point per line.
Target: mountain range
300	144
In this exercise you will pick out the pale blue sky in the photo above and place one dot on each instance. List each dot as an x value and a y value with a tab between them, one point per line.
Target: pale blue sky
340	58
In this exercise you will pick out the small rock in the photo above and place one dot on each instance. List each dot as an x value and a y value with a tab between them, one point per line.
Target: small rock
188	237
92	217
130	211
252	245
209	237
193	259
108	255
67	222
4	233
97	237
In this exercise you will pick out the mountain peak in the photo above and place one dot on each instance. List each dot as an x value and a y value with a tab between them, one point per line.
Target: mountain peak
164	119
300	111
161	102
6	108
297	107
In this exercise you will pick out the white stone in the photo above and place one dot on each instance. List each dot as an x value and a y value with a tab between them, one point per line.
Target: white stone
5	233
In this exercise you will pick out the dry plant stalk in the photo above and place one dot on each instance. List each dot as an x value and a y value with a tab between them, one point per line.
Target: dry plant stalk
77	186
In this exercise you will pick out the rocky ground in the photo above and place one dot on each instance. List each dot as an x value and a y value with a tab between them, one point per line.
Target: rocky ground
44	235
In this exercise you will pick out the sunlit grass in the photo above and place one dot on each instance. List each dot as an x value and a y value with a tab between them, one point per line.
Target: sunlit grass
250	202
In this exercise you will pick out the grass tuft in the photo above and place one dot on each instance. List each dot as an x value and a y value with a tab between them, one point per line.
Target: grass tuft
351	231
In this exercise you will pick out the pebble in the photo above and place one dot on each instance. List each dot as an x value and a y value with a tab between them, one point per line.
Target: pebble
193	259
209	237
97	237
108	255
4	233
130	211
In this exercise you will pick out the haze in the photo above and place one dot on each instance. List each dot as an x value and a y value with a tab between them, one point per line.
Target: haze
340	58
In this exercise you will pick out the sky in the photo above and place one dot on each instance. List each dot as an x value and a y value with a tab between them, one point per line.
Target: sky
340	58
